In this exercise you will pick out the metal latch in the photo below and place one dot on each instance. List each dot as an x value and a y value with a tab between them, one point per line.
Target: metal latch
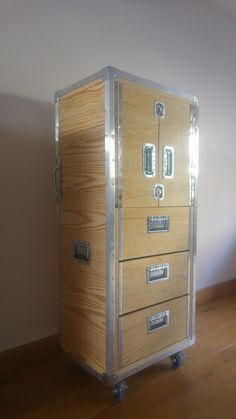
157	321
157	273
158	224
159	110
149	160
159	192
81	251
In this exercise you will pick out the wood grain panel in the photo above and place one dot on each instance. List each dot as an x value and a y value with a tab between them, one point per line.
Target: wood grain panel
82	124
137	293
83	217
174	131
138	126
137	343
83	183
137	242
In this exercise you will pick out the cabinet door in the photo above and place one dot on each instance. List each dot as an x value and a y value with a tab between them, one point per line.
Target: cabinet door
174	155
139	145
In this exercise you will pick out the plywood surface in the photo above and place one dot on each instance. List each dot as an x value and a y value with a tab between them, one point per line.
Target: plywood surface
137	343
82	217
137	242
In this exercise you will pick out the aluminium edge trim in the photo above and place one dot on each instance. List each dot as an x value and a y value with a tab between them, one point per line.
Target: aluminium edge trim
112	73
110	140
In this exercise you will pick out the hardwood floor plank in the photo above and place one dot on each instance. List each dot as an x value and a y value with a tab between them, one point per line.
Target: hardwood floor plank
203	388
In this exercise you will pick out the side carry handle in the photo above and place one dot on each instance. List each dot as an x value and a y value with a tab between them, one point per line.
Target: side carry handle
57	179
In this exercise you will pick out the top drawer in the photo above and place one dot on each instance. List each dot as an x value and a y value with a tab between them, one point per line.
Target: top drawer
153	231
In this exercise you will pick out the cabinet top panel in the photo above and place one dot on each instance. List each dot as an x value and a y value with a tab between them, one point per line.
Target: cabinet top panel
112	73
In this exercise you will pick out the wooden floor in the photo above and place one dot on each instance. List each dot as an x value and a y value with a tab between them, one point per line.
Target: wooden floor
204	387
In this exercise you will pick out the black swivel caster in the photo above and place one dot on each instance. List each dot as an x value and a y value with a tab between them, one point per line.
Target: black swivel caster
177	359
119	390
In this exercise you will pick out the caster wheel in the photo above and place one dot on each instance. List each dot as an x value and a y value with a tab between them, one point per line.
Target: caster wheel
177	359
119	390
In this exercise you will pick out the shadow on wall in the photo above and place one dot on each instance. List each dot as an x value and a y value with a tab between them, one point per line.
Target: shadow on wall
29	295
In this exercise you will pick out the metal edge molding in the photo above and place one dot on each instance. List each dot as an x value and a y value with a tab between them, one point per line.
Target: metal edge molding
120	331
120	240
112	73
194	139
120	288
104	74
110	146
58	206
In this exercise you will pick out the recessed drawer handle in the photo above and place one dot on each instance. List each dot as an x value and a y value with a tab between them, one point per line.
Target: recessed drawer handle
158	321
81	251
149	160
158	224
157	273
168	162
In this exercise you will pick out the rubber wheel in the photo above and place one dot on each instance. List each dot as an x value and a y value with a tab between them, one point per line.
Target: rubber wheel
119	390
177	360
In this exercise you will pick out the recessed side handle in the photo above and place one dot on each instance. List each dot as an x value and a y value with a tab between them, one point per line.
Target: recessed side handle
57	179
81	251
158	321
157	273
168	162
149	160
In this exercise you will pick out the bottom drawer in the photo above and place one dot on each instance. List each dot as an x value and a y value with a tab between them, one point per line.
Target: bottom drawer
147	331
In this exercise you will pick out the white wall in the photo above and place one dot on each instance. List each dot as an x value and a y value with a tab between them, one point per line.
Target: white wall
48	44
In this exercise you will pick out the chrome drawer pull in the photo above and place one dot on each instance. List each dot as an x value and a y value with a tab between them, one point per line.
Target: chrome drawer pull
81	251
158	224
158	321
157	273
168	162
149	160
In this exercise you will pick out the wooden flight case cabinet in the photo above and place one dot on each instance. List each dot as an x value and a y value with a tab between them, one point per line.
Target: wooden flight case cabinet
125	182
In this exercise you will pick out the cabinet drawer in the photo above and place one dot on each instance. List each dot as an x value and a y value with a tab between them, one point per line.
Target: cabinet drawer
149	231
144	282
147	331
